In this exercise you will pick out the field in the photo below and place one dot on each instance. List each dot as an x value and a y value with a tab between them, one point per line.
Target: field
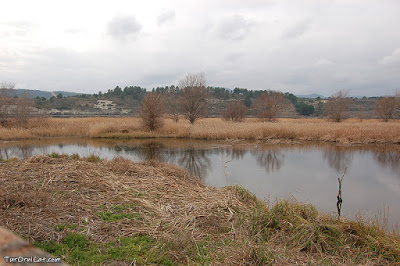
92	212
351	131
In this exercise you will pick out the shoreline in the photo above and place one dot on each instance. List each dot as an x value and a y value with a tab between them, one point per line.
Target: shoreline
90	211
349	132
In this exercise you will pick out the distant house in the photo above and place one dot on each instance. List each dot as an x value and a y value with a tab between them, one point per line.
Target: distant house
105	105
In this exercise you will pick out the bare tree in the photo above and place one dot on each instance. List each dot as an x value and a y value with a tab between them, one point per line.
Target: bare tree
268	105
386	107
235	111
152	110
337	104
173	103
397	96
193	99
22	110
6	101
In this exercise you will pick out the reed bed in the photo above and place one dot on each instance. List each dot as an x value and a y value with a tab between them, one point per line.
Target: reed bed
350	131
93	212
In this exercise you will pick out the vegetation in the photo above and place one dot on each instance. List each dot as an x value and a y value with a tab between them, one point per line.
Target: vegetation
304	109
235	111
348	132
268	105
152	110
337	105
386	108
193	96
91	214
14	110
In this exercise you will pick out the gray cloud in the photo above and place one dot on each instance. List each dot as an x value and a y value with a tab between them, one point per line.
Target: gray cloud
391	60
235	27
165	16
297	30
317	47
123	27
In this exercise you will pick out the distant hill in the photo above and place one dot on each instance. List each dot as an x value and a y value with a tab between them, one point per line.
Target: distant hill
46	94
314	95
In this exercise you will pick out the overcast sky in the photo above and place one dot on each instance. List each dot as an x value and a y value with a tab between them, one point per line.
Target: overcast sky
314	46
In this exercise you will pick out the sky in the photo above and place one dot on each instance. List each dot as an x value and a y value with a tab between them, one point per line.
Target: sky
302	46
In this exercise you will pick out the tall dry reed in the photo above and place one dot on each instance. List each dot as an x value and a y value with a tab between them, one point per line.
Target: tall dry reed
348	132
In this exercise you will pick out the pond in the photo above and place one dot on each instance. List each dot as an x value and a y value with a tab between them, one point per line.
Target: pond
306	172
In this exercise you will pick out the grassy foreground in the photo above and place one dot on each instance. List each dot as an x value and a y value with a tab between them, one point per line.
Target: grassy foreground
92	212
351	131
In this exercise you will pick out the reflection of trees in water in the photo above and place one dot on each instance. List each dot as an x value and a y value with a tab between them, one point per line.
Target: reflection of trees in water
235	153
270	160
389	159
22	152
151	151
338	159
196	161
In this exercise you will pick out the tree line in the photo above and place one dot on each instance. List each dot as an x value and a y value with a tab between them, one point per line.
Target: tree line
190	99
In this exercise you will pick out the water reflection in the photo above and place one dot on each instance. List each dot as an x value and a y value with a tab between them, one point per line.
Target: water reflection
235	153
389	159
338	158
23	151
196	161
271	160
151	151
300	170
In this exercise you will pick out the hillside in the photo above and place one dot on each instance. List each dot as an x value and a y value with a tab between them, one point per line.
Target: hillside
117	104
40	93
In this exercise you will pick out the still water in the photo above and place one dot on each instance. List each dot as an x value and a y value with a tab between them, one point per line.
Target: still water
306	172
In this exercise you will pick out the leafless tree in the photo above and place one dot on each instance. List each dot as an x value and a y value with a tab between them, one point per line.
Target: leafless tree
337	104
268	105
172	100
152	110
22	110
386	107
6	101
397	96
193	99
235	111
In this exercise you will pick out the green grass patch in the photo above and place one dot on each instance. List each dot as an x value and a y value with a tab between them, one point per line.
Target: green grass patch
55	155
118	212
92	158
113	217
62	227
75	156
77	249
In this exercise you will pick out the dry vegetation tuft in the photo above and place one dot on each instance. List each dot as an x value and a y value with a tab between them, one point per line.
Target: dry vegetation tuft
118	211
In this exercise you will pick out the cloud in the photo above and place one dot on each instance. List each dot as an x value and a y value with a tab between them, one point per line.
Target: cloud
123	27
297	30
165	16
234	28
393	59
74	31
19	28
323	62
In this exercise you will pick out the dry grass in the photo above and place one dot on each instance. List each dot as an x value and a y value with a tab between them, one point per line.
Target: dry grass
350	131
68	200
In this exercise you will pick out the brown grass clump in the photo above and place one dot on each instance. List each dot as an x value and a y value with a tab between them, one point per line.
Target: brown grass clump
70	200
350	131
